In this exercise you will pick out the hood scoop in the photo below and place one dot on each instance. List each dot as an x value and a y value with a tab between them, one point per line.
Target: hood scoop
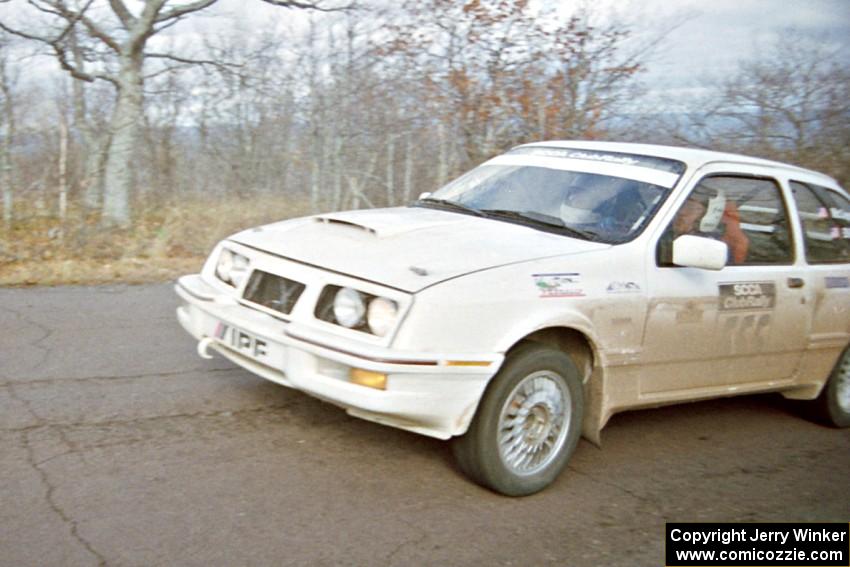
386	223
344	222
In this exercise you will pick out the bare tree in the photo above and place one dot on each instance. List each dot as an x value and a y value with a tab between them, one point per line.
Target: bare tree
121	37
792	103
8	130
94	140
500	72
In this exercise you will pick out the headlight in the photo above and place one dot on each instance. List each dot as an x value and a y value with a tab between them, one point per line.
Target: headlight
231	267
357	310
349	307
239	269
382	315
224	265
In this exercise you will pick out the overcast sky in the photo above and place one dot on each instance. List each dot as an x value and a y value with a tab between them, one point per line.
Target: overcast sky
715	35
719	33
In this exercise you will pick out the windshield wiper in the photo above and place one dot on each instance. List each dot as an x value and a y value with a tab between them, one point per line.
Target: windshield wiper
543	220
453	205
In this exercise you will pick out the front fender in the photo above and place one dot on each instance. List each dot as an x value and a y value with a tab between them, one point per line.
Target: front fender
535	322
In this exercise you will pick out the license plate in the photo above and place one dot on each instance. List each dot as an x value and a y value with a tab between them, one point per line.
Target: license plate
242	341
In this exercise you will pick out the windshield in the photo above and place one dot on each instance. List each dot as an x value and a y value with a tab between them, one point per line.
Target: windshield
582	204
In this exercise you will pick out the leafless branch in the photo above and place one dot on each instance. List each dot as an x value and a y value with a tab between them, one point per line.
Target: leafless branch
310	5
23	34
166	69
59	9
222	65
168	24
43	9
56	43
183	10
127	19
62	58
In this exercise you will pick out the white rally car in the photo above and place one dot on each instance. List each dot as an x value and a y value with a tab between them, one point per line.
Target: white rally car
525	303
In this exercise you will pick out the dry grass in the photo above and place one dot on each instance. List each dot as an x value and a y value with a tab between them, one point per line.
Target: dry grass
163	243
96	272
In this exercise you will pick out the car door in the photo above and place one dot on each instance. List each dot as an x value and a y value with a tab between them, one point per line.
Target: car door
824	215
744	326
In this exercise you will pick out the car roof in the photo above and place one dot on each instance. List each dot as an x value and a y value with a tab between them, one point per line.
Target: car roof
692	157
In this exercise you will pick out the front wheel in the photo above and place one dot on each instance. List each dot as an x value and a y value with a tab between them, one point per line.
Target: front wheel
527	425
833	404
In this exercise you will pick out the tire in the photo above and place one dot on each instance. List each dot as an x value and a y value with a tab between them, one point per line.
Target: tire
542	388
833	404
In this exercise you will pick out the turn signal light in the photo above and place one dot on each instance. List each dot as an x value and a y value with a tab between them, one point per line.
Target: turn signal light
467	363
368	378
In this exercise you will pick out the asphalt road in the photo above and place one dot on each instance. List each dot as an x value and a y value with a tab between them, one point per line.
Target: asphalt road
119	446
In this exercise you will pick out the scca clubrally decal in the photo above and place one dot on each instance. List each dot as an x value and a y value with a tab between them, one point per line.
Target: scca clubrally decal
736	296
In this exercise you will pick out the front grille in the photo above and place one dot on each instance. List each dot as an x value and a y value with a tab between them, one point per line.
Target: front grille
273	292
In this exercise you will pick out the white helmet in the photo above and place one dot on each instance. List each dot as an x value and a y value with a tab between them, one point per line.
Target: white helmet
580	203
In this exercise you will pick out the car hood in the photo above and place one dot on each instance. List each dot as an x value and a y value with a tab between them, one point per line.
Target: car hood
407	248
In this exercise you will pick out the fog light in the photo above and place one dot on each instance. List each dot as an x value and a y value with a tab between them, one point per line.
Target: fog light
368	378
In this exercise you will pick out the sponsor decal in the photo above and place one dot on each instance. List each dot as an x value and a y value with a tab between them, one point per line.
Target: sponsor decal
836	282
747	295
622	287
558	285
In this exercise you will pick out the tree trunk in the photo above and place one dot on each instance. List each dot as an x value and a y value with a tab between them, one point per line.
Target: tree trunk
443	159
63	169
6	181
315	186
6	150
408	168
94	146
124	128
390	170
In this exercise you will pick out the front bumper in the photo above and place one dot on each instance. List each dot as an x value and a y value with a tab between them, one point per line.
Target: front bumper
427	393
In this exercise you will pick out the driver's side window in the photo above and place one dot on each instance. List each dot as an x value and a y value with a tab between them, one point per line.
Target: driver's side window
746	213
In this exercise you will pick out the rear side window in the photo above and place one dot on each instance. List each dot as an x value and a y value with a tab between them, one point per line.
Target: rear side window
747	213
825	217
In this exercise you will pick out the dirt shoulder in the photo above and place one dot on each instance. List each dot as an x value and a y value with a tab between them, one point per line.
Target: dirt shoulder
96	272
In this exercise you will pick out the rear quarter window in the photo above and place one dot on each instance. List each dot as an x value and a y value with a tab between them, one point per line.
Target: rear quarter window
825	218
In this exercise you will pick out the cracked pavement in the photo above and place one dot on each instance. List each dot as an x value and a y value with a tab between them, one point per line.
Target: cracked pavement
119	446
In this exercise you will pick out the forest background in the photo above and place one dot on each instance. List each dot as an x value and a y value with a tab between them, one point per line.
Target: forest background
134	135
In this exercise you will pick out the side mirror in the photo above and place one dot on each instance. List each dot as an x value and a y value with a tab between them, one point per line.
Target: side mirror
699	252
425	195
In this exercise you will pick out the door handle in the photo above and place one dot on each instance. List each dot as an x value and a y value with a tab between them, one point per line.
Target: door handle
796	282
